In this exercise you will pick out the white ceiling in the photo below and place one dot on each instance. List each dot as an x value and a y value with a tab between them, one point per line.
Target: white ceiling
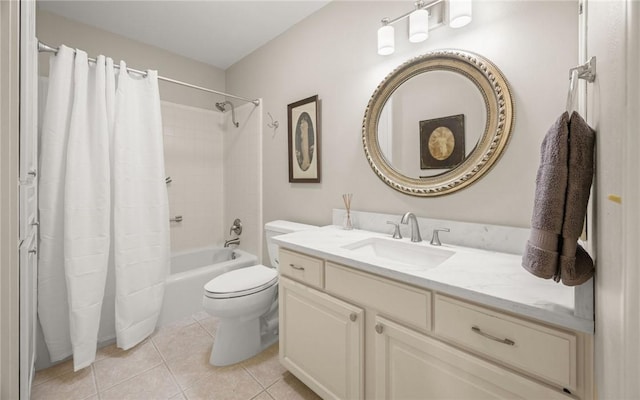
215	32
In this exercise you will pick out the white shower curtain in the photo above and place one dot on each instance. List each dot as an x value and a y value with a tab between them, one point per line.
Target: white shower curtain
141	208
88	130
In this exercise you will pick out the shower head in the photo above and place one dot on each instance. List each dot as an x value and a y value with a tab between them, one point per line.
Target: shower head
222	106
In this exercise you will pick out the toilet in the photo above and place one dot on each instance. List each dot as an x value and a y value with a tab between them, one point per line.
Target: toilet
246	303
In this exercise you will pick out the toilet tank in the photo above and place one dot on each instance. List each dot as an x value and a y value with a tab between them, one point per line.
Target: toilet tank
280	227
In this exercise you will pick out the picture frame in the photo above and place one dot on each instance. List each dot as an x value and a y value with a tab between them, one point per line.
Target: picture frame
442	142
304	140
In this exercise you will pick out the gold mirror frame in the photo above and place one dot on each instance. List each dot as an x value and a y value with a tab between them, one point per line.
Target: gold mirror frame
500	118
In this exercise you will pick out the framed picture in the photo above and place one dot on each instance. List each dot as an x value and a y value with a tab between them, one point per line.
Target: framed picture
304	140
442	142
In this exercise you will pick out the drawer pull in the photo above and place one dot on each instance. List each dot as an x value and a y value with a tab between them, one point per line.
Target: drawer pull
353	316
296	267
379	328
33	251
488	336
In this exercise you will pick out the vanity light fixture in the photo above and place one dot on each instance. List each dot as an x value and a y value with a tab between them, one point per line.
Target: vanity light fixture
458	13
386	38
419	24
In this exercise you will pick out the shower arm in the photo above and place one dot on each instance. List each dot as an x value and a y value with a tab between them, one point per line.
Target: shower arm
233	115
222	108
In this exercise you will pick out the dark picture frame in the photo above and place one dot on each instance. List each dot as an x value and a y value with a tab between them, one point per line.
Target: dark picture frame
442	142
304	140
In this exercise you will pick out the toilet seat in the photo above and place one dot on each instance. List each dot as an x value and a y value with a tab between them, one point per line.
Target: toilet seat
241	282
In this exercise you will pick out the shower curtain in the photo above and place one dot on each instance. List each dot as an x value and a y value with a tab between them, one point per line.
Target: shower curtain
103	204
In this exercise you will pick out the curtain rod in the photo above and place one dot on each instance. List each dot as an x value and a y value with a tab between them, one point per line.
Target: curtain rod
45	48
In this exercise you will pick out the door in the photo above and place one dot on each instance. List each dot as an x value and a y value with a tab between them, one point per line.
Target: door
321	341
410	365
28	203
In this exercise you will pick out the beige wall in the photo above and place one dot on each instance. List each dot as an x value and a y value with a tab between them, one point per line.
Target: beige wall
55	30
333	54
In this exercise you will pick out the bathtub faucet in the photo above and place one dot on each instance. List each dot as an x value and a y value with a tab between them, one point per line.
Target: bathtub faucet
229	242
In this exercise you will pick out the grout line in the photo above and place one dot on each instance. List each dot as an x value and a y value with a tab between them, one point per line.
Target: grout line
253	376
256	396
148	339
205	329
95	380
57	364
130	378
273	383
164	362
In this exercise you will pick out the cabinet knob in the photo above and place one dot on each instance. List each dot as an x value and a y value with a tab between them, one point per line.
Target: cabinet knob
353	316
379	328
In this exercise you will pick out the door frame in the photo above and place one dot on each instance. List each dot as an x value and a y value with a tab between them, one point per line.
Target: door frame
9	172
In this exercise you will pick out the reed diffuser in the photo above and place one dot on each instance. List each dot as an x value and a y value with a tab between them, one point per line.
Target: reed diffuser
347	225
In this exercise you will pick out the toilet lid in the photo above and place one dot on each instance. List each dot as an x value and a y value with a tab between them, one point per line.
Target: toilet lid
241	282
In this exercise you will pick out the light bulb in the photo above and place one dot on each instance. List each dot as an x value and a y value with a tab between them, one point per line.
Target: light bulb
418	26
459	13
386	40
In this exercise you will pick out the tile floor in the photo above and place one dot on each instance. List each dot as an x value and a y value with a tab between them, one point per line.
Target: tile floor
172	364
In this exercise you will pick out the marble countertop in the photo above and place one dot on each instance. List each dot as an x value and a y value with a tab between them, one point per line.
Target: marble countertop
491	278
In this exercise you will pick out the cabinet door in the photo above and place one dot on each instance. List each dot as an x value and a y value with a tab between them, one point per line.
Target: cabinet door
321	341
410	365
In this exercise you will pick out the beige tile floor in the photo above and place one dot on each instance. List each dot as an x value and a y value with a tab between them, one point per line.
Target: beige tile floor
172	364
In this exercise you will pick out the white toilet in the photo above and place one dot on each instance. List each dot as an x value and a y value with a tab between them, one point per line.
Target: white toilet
246	302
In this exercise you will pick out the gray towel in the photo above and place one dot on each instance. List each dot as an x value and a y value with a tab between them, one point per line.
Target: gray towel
562	192
541	252
576	266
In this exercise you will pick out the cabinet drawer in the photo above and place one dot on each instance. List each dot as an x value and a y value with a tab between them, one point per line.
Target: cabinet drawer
548	353
301	268
399	302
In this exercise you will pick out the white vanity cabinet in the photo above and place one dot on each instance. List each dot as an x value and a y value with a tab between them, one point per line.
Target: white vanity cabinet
418	343
321	337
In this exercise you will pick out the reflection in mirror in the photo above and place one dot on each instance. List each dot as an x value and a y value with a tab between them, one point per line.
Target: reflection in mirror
426	101
438	123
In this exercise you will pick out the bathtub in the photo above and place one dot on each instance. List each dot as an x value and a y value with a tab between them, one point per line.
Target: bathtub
190	270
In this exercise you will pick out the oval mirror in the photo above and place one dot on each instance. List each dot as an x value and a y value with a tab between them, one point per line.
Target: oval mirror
438	123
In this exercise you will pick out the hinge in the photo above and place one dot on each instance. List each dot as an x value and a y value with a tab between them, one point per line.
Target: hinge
580	8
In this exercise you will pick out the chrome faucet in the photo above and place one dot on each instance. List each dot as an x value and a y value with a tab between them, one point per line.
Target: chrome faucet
229	242
415	229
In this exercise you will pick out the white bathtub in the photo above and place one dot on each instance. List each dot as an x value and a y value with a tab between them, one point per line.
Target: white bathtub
190	270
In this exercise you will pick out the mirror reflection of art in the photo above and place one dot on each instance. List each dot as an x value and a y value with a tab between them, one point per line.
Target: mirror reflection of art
304	140
442	142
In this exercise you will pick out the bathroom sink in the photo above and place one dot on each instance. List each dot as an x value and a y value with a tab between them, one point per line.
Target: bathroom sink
405	255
